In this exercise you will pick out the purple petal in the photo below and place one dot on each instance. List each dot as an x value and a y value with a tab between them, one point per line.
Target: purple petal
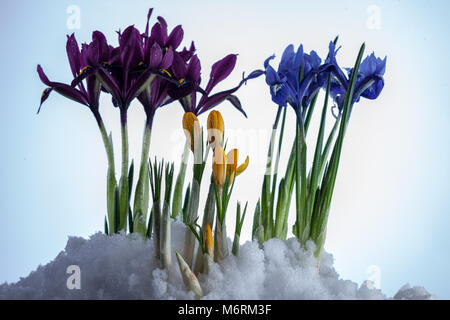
44	97
93	87
70	93
163	22
167	60
155	56
42	76
175	37
220	70
193	70
73	54
110	84
207	103
178	66
149	14
159	33
139	85
187	54
128	41
99	40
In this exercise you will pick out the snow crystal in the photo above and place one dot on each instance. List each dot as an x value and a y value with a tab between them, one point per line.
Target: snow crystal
124	267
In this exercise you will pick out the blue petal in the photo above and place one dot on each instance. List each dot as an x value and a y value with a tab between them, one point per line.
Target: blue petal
271	76
266	62
287	59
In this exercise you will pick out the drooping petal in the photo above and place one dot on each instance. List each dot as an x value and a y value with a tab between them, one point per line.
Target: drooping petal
144	80
42	76
44	96
93	89
110	84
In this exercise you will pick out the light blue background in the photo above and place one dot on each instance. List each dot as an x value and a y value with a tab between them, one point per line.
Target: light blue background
391	207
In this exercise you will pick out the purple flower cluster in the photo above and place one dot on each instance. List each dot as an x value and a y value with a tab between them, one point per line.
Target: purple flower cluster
147	66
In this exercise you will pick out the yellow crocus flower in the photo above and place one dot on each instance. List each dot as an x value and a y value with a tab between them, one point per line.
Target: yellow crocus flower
216	128
191	127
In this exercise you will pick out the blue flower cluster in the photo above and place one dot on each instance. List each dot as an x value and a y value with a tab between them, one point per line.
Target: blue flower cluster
301	75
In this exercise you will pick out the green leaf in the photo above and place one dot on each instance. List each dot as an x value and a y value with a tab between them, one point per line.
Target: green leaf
256	218
111	186
116	211
281	212
329	178
186	203
150	225
130	178
106	226
178	191
130	220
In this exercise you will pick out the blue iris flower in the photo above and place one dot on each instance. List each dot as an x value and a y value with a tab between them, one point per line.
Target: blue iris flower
285	84
369	81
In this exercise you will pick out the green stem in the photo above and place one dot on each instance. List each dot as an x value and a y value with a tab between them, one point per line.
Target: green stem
141	197
177	201
111	183
266	214
123	184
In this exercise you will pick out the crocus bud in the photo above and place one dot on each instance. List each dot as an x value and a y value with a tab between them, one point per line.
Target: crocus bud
219	165
215	129
209	248
233	169
232	160
191	127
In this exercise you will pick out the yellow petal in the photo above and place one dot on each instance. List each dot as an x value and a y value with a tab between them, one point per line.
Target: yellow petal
219	165
232	160
216	128
242	167
191	127
209	241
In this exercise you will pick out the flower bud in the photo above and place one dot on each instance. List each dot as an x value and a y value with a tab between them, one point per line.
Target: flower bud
215	128
191	127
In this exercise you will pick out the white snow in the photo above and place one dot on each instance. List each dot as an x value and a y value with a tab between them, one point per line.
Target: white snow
124	267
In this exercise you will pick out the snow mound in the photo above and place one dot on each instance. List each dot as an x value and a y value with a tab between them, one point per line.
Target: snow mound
124	267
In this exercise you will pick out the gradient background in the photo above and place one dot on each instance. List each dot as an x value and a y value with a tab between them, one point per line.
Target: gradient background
391	206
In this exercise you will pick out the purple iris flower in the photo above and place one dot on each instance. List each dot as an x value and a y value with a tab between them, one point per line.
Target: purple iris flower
187	74
369	81
85	93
